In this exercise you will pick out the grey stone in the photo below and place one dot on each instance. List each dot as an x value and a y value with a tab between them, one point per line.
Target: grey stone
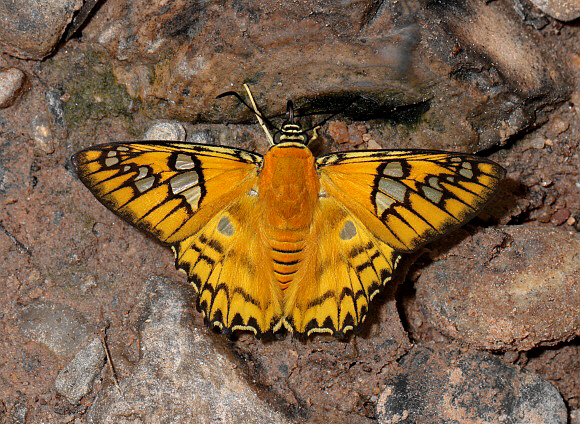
563	10
441	387
18	413
170	131
59	327
76	380
184	374
31	29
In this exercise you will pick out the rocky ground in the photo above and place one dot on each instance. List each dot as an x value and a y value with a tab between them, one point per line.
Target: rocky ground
97	326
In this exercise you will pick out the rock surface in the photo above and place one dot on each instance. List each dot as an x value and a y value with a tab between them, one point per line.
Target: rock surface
62	329
181	372
529	296
31	29
76	380
440	387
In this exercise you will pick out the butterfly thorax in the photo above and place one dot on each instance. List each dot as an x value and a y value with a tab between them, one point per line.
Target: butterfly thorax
288	193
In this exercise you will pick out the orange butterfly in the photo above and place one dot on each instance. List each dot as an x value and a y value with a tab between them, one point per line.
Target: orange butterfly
287	239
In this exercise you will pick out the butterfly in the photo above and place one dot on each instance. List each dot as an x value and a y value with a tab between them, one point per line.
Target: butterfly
287	240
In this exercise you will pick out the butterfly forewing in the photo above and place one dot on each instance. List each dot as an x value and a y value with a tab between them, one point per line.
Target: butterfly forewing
409	197
166	189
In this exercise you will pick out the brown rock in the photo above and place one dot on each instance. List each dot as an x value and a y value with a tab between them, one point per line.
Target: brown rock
11	85
31	29
180	57
559	217
513	288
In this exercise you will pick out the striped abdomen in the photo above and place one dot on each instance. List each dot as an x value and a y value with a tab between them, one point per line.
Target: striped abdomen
288	192
286	258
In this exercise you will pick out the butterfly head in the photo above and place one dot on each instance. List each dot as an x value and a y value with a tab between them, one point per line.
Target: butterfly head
291	131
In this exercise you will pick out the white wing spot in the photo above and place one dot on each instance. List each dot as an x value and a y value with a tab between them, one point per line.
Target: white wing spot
394	169
183	181
145	184
184	161
111	153
122	148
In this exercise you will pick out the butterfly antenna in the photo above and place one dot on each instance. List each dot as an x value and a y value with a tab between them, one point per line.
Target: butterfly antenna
262	120
259	116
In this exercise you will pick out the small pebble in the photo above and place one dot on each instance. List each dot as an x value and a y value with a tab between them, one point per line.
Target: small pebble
169	131
339	132
559	217
11	85
42	134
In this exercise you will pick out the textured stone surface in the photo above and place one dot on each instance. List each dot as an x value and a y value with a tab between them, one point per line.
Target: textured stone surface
470	74
441	386
62	329
11	85
76	380
529	296
31	28
563	10
180	373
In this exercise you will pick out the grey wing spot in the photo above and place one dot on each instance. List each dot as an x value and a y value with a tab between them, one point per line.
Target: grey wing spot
348	230
393	188
467	173
192	196
143	172
184	161
110	161
393	169
145	184
431	194
225	226
382	202
184	181
434	182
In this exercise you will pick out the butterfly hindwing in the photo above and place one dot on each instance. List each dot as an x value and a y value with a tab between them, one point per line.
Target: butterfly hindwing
228	265
345	267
